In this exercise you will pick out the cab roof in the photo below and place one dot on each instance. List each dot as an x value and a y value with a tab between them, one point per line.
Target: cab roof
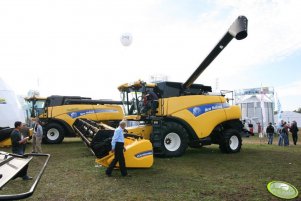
137	84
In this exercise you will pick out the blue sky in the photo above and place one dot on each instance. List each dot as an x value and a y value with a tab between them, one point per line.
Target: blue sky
72	47
280	72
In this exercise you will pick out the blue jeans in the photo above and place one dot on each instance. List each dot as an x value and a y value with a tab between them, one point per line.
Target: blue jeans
286	140
270	136
281	139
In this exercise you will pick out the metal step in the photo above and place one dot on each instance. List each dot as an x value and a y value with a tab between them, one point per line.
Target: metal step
156	136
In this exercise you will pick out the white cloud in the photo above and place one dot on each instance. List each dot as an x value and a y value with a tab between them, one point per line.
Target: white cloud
273	32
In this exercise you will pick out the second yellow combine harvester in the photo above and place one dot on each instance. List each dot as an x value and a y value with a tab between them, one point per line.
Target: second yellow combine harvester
175	115
58	113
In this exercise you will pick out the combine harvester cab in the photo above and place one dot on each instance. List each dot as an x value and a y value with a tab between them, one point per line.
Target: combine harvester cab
98	137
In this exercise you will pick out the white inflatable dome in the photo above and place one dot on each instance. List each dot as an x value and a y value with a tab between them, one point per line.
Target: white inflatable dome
10	107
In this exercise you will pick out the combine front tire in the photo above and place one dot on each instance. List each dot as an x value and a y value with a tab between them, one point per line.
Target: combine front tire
54	134
231	141
175	139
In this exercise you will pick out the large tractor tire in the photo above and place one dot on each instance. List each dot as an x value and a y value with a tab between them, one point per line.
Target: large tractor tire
175	139
54	134
231	141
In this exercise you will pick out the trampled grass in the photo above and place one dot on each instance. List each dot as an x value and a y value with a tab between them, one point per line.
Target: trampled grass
201	174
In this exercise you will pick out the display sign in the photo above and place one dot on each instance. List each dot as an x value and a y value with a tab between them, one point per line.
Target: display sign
254	91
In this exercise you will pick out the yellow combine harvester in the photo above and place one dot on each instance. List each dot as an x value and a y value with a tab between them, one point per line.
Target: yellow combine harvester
58	113
173	115
177	115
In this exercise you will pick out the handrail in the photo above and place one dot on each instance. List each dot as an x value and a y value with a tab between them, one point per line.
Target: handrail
34	185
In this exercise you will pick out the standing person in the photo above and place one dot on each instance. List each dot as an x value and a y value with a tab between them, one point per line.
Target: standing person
18	143
270	132
281	134
294	130
37	138
286	138
25	132
118	148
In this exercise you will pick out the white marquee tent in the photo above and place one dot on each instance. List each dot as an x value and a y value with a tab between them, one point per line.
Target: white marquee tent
257	110
10	107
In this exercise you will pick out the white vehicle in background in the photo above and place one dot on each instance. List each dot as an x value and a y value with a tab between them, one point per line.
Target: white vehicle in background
10	111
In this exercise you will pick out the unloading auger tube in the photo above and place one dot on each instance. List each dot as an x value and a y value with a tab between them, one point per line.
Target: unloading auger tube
237	30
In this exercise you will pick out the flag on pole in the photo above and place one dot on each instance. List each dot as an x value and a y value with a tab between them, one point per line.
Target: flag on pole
279	110
262	109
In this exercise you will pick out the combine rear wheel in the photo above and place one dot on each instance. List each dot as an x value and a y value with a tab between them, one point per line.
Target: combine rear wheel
54	134
231	141
175	139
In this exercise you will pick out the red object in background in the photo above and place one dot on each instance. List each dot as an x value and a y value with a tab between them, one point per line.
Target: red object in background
251	129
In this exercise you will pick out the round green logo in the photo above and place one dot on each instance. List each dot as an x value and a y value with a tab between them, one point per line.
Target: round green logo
282	189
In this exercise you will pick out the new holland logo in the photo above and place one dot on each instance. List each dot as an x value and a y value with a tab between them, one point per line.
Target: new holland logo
76	114
201	109
145	153
2	101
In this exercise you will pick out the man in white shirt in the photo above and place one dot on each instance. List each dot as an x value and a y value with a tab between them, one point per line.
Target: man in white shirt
118	148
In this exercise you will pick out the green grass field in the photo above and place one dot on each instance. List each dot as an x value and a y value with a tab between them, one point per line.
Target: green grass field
201	174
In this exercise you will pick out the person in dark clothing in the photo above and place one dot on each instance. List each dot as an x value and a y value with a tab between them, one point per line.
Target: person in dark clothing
118	149
294	130
286	139
150	102
283	137
251	129
270	132
18	142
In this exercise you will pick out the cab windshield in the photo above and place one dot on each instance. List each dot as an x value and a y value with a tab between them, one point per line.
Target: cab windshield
35	107
132	102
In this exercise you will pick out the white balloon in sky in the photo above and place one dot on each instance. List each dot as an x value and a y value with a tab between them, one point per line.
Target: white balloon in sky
126	39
